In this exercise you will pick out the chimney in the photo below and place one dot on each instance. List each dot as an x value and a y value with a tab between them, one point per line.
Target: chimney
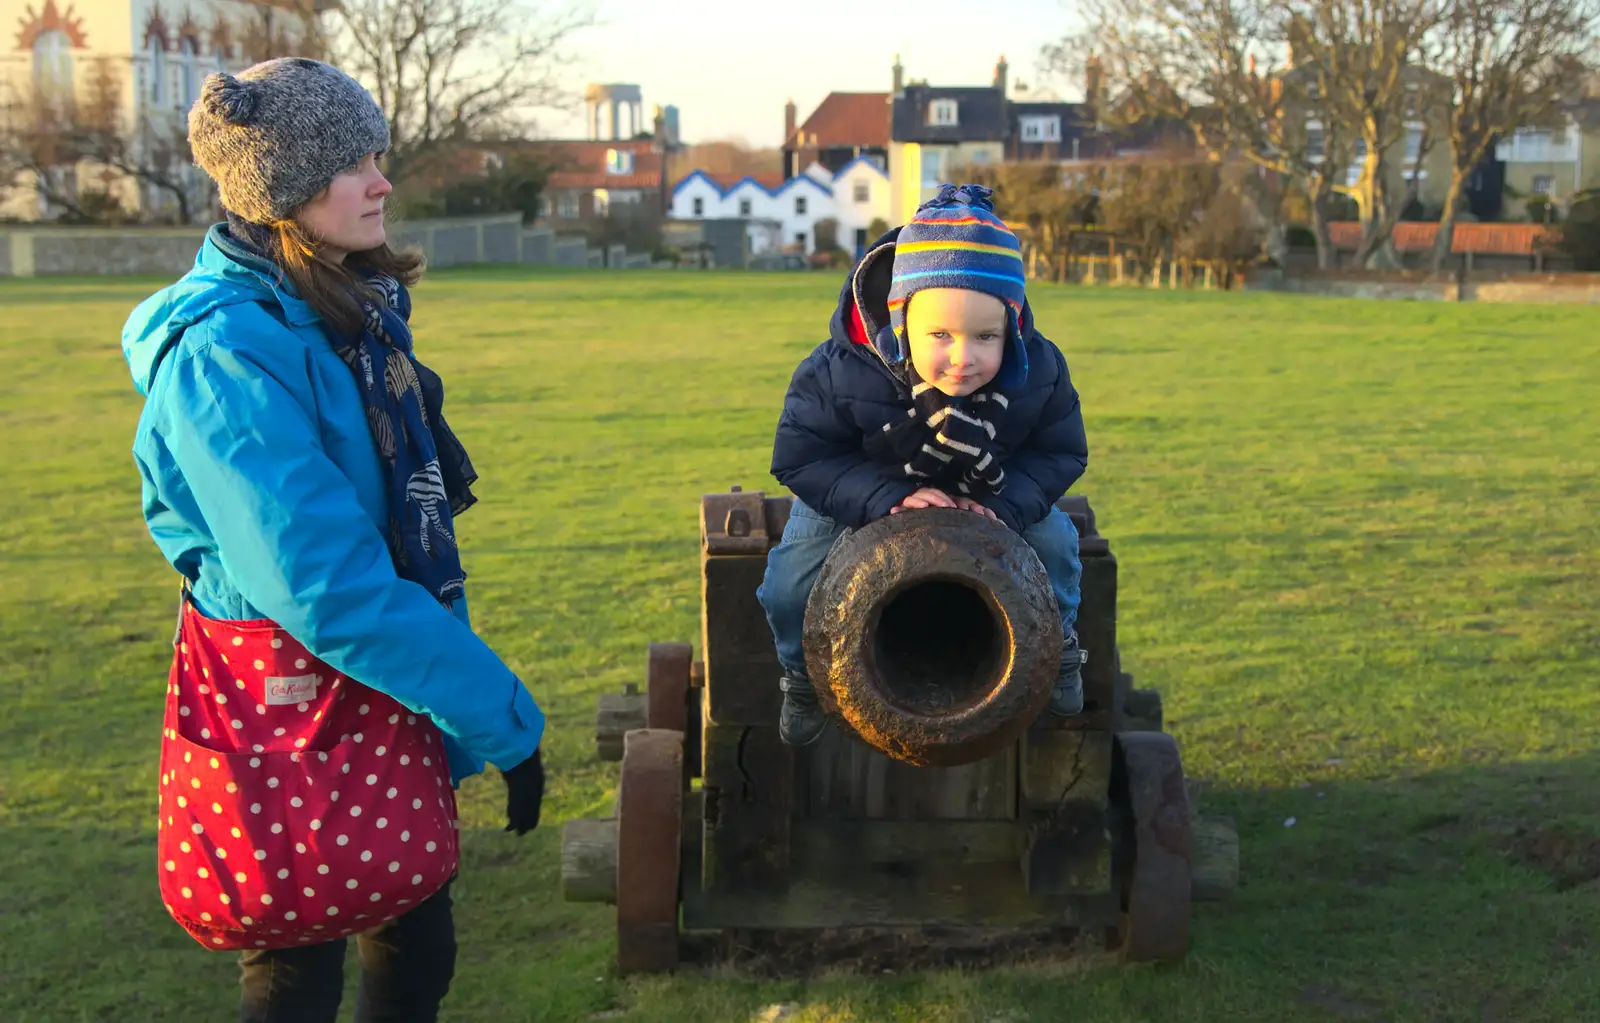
788	121
899	76
1000	70
1092	81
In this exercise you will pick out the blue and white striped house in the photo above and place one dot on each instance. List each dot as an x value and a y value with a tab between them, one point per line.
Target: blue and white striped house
854	197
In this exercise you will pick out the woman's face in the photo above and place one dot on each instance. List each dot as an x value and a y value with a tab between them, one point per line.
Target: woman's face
348	216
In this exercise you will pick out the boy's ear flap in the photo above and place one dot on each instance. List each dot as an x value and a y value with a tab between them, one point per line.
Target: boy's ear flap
875	277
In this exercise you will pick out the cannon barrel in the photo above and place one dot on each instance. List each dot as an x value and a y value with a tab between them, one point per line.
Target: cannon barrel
933	635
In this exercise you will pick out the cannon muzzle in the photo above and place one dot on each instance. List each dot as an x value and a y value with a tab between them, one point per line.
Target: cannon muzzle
933	635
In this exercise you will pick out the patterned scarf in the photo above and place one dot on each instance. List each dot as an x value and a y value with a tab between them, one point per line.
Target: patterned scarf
427	470
943	438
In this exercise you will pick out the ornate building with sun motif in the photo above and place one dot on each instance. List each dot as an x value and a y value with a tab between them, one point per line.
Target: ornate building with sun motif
134	66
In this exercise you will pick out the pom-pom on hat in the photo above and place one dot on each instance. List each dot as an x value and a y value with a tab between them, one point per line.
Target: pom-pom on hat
955	240
278	133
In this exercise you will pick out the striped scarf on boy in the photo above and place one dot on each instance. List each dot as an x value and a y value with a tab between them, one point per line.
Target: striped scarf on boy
946	441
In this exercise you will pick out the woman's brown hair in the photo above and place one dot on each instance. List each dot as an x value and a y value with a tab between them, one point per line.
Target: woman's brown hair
328	286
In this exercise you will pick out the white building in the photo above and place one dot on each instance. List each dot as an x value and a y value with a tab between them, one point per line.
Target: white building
852	198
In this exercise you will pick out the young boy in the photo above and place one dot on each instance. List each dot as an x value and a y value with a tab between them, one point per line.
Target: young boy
934	391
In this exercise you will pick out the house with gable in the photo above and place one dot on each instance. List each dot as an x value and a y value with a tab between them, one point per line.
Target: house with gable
937	131
852	197
845	127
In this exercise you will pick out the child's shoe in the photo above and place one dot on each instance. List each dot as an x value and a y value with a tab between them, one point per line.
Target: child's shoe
1066	699
801	720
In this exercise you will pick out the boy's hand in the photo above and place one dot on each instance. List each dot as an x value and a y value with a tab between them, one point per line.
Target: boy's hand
927	497
968	504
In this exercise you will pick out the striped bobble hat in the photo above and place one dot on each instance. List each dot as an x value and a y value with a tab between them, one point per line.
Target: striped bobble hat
955	240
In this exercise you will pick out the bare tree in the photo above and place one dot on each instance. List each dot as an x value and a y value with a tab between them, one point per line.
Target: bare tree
1511	63
51	139
1301	88
448	72
1371	56
1196	62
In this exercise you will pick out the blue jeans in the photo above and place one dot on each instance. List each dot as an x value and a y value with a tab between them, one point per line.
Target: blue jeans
792	569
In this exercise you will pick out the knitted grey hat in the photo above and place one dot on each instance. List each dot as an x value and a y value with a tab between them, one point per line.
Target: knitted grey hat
279	132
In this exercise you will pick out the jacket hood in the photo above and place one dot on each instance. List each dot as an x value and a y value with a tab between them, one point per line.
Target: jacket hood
861	318
225	273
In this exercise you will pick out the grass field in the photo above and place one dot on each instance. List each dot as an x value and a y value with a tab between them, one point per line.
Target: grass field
1358	548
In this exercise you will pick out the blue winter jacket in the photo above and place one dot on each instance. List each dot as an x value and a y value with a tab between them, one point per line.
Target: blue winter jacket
845	391
262	487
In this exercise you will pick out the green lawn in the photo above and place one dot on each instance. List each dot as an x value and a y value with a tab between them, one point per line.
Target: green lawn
1358	548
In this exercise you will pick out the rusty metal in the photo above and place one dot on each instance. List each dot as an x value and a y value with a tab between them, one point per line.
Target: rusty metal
933	635
649	833
1158	847
734	522
667	686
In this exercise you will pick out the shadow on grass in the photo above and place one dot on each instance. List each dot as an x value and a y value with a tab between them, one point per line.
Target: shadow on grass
1466	894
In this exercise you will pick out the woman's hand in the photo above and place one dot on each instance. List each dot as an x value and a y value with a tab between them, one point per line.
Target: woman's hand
927	497
524	794
968	504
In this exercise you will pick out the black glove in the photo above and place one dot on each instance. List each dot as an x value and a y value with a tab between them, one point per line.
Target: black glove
524	794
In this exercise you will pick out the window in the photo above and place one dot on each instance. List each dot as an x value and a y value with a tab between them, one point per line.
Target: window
1544	184
1538	145
567	206
52	68
863	192
544	207
602	202
744	207
619	161
978	157
158	71
699	207
943	112
1316	142
800	240
1041	129
933	167
799	205
1413	145
189	91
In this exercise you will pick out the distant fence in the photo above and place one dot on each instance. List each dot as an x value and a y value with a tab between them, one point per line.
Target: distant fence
1561	288
50	251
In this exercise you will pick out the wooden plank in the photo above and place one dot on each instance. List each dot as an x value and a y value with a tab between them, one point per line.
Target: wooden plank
1097	634
1215	875
894	874
589	860
747	785
850	780
1064	782
741	660
617	714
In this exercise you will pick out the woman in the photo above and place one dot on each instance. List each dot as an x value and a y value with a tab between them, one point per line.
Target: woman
299	475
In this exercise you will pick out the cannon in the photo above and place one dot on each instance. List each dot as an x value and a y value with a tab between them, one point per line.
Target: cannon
942	797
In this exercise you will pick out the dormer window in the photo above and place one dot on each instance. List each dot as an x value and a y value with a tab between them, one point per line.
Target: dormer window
1041	128
943	113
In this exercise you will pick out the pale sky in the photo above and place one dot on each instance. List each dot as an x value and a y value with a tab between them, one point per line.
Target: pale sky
729	67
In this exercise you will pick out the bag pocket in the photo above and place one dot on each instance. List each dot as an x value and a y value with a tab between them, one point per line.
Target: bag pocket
273	849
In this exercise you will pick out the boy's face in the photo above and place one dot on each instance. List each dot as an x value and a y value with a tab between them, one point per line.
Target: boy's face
957	338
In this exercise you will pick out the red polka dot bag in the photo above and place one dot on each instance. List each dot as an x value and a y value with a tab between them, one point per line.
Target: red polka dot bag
297	805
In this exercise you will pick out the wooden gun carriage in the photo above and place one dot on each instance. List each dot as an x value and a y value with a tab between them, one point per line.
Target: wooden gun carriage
942	795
